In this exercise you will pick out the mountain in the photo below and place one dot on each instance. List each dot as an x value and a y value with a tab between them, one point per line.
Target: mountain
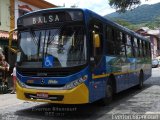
139	15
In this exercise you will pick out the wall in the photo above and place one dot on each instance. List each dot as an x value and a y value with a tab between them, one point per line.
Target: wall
5	15
154	46
17	2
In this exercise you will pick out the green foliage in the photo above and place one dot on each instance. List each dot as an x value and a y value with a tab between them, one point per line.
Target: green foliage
154	24
122	22
133	27
128	24
142	16
123	5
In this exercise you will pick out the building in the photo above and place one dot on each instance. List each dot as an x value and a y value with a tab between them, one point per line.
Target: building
10	10
154	37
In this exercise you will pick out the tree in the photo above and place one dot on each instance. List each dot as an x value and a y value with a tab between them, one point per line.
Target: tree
123	5
126	24
155	24
122	22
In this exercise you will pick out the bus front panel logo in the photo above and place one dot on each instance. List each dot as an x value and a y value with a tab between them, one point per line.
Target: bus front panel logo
52	82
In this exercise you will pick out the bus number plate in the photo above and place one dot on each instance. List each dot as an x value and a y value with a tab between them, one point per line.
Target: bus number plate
42	95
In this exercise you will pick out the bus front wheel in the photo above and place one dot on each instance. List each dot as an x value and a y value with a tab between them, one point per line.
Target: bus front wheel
108	95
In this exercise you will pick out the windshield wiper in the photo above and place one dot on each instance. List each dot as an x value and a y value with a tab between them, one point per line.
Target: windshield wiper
44	41
47	43
36	41
38	50
33	36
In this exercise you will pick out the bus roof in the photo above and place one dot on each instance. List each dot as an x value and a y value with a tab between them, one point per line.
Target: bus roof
101	18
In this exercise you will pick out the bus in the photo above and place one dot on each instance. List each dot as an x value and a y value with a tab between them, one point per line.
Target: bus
75	56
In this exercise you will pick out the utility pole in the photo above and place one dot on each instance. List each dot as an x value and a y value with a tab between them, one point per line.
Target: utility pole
12	17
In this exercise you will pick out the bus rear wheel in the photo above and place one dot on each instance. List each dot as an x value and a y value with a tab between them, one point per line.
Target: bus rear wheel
141	79
108	95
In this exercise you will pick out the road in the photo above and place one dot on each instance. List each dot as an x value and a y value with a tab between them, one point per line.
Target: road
126	105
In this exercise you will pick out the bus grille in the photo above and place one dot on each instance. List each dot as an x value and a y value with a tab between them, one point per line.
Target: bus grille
43	72
45	85
47	73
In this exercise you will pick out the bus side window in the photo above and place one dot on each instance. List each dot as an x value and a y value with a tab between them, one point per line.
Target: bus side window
135	47
123	44
143	48
110	42
128	46
139	48
146	49
132	46
119	43
149	50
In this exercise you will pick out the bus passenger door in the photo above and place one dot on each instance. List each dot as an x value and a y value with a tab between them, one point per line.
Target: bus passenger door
97	65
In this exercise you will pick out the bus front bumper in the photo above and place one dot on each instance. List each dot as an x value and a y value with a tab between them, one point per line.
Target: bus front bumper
77	95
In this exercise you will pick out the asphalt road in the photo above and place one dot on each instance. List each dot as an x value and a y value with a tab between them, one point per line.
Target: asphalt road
127	105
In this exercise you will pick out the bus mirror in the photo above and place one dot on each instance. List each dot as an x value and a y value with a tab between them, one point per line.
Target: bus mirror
11	37
96	41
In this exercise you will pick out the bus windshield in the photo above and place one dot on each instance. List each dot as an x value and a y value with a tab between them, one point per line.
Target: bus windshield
65	46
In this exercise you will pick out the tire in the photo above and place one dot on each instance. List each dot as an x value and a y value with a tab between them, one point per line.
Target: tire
141	80
3	89
108	95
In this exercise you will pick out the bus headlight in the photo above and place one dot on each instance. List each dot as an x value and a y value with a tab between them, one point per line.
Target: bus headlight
75	83
21	83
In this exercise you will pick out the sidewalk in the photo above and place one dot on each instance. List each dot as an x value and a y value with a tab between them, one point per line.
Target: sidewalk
8	100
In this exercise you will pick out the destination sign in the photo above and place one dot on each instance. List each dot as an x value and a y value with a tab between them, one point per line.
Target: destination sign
48	18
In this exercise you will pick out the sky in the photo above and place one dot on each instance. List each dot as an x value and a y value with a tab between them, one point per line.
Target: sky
99	6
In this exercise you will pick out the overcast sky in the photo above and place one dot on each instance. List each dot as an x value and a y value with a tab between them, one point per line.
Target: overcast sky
99	6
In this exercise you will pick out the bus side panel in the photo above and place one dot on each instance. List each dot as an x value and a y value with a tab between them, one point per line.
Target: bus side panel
148	69
119	67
